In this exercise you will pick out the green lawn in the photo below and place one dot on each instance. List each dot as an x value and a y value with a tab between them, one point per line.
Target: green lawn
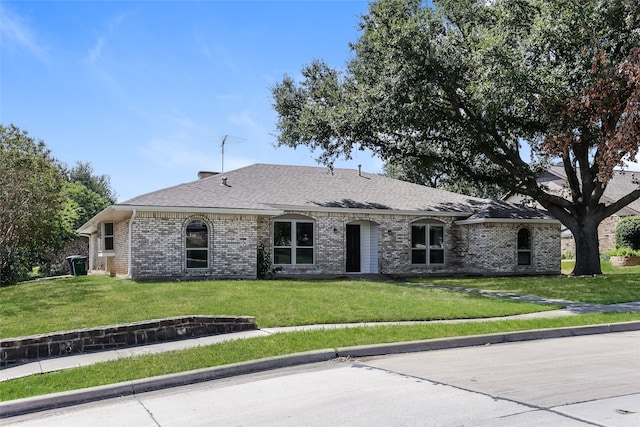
616	285
278	344
88	301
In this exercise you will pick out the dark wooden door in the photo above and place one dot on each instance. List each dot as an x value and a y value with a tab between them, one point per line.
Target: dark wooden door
353	248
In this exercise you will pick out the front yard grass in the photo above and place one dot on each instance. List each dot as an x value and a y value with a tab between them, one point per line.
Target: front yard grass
89	301
616	285
274	345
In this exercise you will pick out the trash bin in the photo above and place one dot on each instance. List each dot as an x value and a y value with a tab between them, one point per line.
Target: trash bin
77	265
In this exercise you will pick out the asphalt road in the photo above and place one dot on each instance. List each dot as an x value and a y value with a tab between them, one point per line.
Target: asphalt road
575	381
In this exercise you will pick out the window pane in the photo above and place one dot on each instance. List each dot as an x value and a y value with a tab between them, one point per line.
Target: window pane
304	256
418	236
108	243
282	234
197	258
304	234
524	258
418	256
524	239
436	237
282	256
436	256
108	229
197	235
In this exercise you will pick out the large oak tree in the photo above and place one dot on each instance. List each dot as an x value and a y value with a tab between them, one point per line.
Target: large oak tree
494	90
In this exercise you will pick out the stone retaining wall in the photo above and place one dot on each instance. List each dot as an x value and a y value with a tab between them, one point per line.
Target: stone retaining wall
16	350
625	261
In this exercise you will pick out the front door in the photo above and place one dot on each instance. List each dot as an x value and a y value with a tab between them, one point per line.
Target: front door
353	248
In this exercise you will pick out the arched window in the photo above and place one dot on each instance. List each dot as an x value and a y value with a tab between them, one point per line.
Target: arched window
197	244
524	246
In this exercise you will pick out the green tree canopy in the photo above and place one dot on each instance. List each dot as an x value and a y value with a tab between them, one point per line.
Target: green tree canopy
30	197
438	176
494	90
82	173
82	204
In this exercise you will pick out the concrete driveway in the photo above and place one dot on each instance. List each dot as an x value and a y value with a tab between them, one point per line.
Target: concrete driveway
575	381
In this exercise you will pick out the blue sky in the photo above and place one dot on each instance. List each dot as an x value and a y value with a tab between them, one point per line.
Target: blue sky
145	91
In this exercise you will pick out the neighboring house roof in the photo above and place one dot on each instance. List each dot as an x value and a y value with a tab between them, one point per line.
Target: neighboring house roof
621	184
271	189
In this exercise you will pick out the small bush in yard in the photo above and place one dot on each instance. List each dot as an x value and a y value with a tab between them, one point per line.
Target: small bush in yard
628	233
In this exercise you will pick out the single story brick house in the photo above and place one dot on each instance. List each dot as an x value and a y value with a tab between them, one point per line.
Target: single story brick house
317	222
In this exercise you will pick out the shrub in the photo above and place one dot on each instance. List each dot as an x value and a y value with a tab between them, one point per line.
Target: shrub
628	233
623	252
265	268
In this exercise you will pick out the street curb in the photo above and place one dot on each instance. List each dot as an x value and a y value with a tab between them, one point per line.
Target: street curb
69	398
479	340
57	400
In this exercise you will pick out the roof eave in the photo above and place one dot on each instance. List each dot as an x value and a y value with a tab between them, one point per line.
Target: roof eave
200	209
508	221
121	212
370	210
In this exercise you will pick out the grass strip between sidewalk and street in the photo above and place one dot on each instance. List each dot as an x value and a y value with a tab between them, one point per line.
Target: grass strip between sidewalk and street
274	345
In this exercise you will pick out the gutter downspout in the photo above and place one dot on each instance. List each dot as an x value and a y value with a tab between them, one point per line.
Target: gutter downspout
129	257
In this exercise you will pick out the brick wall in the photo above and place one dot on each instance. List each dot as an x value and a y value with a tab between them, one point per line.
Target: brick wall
493	248
15	350
469	249
119	263
158	246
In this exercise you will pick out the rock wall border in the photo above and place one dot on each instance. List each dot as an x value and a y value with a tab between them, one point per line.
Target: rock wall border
22	349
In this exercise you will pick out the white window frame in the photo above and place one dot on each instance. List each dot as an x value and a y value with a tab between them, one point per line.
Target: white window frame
103	238
428	246
293	243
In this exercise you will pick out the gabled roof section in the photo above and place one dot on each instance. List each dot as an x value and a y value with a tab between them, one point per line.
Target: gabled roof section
264	186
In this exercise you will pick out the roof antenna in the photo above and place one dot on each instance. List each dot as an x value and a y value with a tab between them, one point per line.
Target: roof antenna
226	139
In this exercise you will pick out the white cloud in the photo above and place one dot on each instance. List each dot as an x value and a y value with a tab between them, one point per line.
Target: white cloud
175	153
217	54
14	30
244	118
95	52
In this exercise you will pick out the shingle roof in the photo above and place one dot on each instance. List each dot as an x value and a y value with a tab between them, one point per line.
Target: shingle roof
265	186
621	184
504	210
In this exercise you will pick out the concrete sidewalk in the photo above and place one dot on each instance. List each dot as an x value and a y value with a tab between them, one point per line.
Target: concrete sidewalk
68	362
39	403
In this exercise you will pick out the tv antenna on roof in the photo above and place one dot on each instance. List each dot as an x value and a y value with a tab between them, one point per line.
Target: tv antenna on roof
225	139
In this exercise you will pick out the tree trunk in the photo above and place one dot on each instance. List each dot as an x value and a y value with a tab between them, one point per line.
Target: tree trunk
587	250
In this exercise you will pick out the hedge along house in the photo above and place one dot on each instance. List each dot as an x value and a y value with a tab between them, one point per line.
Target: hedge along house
317	222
